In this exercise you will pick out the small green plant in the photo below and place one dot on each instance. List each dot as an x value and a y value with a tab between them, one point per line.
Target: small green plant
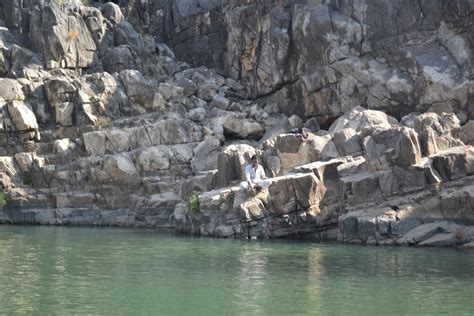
3	199
85	2
193	202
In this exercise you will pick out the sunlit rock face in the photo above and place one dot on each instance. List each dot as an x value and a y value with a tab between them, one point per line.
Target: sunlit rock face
322	58
146	115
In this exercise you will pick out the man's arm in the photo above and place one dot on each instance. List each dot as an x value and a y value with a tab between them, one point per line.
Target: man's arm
247	175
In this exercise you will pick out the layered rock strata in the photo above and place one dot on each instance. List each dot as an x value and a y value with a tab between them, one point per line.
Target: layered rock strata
322	58
102	125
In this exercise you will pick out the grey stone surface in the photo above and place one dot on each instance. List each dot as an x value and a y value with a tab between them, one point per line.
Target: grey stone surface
111	118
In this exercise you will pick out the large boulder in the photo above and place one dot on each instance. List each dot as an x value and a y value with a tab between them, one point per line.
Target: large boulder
94	143
62	37
437	132
206	155
117	140
296	192
396	146
231	163
10	90
61	95
235	127
467	134
125	34
96	24
121	170
121	58
154	158
454	163
22	116
112	12
286	151
348	142
363	121
139	90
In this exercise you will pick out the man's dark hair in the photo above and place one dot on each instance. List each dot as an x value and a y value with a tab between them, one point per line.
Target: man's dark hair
254	157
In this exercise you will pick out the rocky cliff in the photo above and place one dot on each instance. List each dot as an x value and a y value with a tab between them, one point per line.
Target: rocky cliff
104	124
323	60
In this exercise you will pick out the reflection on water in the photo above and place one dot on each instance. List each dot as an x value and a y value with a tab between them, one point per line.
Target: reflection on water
315	271
63	271
251	277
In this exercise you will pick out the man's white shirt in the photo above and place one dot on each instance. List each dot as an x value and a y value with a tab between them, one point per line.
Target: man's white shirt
254	176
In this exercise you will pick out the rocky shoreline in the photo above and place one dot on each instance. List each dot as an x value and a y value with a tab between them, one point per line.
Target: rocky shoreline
103	124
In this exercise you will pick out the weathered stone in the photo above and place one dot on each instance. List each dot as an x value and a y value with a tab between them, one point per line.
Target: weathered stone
154	158
401	181
440	240
61	94
390	147
22	116
181	154
8	165
206	155
168	90
348	142
197	115
467	134
94	143
125	34
235	127
25	63
454	163
292	151
180	218
62	146
312	124
166	200
219	101
139	90
11	90
189	87
231	163
116	141
364	188
281	126
252	209
295	121
112	12
24	161
437	132
120	169
4	64
297	192
66	43
423	232
63	113
120	58
363	121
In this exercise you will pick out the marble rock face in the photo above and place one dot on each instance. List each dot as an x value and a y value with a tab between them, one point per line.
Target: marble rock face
146	113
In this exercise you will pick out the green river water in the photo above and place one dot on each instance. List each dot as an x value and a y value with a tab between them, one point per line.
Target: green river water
64	271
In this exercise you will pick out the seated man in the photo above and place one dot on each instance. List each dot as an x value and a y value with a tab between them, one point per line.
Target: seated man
254	175
300	133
